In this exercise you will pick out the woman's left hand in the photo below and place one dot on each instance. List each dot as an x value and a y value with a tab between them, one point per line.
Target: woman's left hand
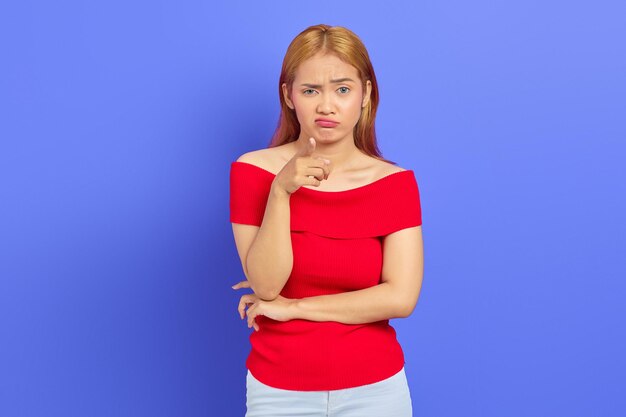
280	309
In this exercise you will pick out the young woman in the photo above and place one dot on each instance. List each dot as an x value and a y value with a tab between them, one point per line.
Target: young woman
330	241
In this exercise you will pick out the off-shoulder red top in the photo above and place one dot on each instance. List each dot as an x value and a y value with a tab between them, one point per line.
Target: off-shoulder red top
336	239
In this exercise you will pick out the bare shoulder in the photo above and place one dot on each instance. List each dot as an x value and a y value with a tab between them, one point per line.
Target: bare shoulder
383	168
267	158
253	157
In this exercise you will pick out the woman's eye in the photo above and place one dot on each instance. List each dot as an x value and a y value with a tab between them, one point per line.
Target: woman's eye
344	89
305	91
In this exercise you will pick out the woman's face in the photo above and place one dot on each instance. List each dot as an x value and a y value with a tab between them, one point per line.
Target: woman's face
325	87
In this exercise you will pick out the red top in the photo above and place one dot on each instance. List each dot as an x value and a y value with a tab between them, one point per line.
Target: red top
336	238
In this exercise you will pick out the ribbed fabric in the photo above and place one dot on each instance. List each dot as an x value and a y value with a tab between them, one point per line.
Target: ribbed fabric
336	238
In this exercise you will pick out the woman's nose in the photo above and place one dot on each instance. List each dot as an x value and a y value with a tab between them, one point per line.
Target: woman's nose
326	104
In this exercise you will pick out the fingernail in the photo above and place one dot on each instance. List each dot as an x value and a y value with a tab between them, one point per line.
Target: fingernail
234	286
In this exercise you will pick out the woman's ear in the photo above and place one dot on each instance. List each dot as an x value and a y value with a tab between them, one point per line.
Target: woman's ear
368	92
286	96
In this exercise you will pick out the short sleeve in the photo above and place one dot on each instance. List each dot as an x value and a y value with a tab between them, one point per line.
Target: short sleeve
249	191
405	205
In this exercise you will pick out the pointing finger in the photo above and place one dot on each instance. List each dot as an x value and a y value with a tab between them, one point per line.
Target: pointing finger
309	148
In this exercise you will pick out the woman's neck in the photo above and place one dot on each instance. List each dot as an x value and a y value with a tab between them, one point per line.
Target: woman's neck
343	154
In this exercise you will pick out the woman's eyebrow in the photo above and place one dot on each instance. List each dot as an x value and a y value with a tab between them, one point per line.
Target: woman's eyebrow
339	80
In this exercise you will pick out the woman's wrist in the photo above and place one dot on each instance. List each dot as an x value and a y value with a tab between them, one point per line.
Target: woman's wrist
277	191
294	308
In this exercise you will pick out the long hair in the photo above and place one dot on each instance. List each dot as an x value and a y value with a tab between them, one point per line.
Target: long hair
349	48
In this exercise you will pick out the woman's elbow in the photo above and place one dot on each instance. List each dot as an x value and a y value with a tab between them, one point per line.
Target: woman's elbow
265	294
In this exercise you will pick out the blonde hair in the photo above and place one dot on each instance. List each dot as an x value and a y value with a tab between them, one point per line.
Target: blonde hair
349	48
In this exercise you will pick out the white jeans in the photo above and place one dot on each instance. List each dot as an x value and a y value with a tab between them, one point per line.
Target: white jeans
387	398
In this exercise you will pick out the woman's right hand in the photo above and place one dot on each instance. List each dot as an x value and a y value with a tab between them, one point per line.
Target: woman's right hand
303	169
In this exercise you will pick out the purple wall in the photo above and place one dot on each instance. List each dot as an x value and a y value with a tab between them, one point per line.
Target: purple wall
118	123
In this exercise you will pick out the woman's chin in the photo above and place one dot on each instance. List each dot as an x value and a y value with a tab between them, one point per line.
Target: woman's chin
327	135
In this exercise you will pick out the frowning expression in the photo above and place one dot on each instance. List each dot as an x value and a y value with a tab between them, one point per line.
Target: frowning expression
327	96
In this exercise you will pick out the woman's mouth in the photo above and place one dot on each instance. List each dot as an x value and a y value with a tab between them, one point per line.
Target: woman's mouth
326	123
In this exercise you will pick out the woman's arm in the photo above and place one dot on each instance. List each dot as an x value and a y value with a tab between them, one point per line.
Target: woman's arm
395	297
269	260
380	302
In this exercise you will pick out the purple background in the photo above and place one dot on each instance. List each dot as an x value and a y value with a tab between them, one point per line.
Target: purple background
118	123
